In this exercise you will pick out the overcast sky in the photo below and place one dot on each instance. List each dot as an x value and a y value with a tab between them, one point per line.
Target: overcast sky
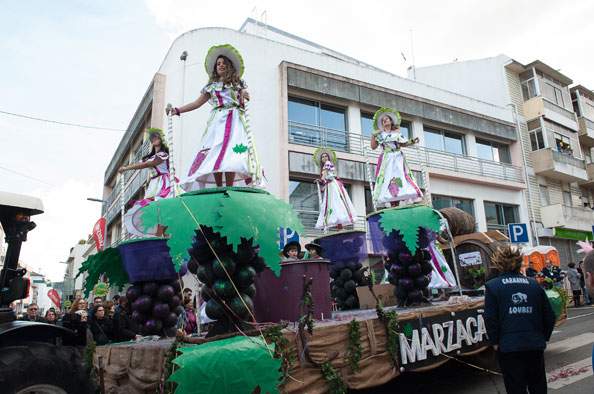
90	62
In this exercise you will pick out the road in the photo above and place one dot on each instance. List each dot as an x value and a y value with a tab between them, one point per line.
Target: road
570	347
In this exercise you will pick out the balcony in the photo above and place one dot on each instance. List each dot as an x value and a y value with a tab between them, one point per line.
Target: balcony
539	106
576	218
590	171
303	134
557	165
586	132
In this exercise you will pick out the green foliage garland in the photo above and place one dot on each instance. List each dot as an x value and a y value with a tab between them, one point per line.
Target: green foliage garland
336	384
354	351
88	359
282	349
393	344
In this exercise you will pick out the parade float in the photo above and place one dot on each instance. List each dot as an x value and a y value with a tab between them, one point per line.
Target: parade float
275	330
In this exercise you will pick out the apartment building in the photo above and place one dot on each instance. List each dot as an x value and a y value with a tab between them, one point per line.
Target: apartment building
556	124
304	96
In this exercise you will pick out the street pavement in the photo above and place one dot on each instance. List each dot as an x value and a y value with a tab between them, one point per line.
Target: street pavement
570	349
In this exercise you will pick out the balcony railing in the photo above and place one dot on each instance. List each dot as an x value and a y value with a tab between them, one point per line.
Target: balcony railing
309	219
568	159
303	134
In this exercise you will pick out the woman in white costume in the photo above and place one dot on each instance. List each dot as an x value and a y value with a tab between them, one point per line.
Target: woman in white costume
226	146
157	161
337	209
394	182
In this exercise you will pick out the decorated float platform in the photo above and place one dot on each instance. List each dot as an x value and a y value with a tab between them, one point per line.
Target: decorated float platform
275	329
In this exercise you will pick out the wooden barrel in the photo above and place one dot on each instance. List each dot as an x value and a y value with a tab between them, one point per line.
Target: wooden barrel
472	255
460	221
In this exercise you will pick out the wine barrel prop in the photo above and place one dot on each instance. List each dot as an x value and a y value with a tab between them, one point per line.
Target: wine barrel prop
460	222
279	298
474	261
347	250
403	235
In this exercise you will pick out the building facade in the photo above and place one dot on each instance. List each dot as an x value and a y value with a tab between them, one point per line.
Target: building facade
304	96
556	124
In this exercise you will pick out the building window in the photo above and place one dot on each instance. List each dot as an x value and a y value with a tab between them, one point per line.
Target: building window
492	151
567	201
447	202
367	125
545	199
537	140
314	123
500	215
529	89
444	141
563	144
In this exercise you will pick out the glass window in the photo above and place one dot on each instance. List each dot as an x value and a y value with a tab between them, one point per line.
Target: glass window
314	124
567	201
368	201
333	117
445	141
537	140
303	195
544	195
433	139
492	151
303	111
501	214
447	202
366	124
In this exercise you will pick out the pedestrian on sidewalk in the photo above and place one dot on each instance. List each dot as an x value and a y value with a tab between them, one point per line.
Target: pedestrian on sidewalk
587	299
519	320
574	281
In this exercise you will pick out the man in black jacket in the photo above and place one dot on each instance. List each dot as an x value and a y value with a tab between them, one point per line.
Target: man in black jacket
519	321
32	314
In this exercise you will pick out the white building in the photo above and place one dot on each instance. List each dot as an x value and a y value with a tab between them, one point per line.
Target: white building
303	96
557	126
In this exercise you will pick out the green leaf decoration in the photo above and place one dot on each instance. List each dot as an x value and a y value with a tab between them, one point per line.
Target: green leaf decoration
228	366
397	181
181	226
240	148
257	216
108	262
233	212
444	269
408	330
407	220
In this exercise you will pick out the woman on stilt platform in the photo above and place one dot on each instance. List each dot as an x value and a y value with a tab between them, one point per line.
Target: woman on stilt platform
336	209
158	187
394	182
227	146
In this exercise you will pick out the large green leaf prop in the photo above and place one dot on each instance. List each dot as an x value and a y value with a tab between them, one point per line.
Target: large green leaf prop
234	366
234	213
407	220
108	262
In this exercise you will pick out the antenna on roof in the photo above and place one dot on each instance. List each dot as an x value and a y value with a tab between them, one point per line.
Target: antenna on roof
412	50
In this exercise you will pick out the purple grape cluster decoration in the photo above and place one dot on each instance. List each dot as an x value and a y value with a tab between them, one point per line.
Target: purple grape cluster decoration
155	306
344	253
410	274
